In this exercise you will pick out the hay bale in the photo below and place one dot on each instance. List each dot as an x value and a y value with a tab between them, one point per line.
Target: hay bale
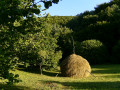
75	66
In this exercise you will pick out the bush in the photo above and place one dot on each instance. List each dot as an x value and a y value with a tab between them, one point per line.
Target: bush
93	50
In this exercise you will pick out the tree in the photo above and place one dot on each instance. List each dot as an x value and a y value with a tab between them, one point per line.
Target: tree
48	3
40	48
14	11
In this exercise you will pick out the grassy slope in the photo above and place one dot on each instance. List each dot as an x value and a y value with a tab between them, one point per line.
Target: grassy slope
106	77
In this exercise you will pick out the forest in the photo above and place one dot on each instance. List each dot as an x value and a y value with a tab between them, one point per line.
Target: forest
43	42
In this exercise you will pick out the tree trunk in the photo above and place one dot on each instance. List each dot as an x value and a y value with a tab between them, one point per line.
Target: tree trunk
41	68
73	46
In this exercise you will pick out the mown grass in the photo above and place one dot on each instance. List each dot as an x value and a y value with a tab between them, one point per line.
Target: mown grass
106	77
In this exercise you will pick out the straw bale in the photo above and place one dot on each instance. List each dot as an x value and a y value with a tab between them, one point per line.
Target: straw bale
75	66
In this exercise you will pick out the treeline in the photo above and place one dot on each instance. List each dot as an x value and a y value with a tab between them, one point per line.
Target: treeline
60	20
97	33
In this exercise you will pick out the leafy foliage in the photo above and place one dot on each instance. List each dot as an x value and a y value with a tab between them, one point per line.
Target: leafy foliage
12	25
48	3
40	47
101	24
93	50
61	20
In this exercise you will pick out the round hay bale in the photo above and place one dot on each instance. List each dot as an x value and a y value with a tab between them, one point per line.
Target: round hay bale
75	66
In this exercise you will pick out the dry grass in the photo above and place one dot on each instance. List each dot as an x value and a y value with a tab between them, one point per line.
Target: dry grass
75	66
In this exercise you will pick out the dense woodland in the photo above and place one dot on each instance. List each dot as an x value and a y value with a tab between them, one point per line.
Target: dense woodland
28	40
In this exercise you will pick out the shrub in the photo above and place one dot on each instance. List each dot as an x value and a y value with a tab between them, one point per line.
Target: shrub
93	50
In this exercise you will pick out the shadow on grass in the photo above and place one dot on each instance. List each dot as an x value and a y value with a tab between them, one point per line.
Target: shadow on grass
100	69
53	74
12	87
86	85
112	76
107	69
36	70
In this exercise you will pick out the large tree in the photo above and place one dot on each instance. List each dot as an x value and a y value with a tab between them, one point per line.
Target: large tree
12	12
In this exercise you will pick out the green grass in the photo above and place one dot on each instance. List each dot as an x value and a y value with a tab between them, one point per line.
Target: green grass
107	77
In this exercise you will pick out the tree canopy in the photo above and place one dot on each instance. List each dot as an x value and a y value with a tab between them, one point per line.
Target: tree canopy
16	18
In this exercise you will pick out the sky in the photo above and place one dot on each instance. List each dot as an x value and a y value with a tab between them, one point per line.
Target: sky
72	7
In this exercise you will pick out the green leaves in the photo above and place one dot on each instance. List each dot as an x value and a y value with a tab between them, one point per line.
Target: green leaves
35	6
93	50
47	4
36	11
41	46
16	20
55	1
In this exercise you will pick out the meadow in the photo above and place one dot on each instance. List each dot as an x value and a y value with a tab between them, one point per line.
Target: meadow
103	77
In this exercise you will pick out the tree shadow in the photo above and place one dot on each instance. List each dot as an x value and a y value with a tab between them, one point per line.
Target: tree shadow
53	74
85	85
107	69
100	69
112	76
36	70
13	87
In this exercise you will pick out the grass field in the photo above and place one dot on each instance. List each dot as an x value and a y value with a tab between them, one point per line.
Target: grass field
106	77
